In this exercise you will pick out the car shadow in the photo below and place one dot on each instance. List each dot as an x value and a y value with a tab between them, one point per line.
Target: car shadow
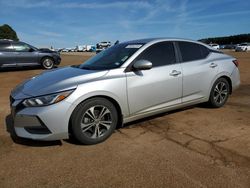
23	141
127	125
16	69
72	140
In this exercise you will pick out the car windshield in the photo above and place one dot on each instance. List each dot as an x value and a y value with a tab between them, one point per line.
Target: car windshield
112	57
243	44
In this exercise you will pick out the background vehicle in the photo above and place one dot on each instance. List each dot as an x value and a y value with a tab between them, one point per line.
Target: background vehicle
71	49
126	82
17	54
215	46
90	48
85	48
81	48
229	46
243	47
64	50
102	46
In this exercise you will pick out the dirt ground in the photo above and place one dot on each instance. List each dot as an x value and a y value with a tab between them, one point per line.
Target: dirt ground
192	147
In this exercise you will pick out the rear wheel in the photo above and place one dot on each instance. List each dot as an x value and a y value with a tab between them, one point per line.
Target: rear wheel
219	93
47	63
94	120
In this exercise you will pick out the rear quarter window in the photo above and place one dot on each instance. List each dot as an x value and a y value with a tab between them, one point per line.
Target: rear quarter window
5	47
192	51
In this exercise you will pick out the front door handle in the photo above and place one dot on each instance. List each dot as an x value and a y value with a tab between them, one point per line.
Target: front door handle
213	65
175	73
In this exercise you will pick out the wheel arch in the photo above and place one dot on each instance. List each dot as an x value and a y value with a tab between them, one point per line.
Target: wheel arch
44	57
225	75
112	100
229	81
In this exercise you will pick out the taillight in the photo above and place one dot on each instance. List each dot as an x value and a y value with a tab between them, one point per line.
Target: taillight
236	62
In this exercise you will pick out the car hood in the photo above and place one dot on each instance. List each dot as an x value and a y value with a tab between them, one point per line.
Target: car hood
45	50
55	81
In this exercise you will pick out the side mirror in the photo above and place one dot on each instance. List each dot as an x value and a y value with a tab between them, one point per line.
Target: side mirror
31	50
142	65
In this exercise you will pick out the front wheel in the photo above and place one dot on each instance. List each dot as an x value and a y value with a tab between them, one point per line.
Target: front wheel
94	120
219	93
47	63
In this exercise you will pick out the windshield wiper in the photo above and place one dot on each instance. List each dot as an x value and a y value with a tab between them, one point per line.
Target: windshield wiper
83	67
86	68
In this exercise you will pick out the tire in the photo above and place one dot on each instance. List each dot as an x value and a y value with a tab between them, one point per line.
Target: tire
219	93
93	121
47	63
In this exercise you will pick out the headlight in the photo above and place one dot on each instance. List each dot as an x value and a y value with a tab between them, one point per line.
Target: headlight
46	99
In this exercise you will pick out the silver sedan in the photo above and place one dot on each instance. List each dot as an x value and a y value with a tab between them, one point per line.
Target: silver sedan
126	82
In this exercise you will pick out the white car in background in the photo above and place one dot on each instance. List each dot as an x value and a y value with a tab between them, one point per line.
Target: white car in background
104	44
64	50
81	48
215	46
243	47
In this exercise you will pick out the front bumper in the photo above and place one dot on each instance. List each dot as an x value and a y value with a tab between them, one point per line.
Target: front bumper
41	123
57	60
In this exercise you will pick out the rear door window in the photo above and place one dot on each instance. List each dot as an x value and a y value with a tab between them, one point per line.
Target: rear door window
192	51
5	47
159	54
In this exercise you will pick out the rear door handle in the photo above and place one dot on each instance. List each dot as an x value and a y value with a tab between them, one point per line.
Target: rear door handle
175	73
213	65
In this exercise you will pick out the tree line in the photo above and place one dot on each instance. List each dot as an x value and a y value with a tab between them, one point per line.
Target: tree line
6	32
234	39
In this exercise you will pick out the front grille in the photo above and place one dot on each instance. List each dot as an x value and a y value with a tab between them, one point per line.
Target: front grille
19	107
12	100
16	109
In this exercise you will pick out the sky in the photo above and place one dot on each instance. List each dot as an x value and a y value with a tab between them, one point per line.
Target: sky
67	23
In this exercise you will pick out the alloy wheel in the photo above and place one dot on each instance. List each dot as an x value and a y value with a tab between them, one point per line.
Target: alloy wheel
96	121
220	92
48	63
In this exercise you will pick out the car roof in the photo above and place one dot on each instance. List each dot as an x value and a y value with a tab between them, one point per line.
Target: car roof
11	41
155	40
5	41
149	40
1	40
